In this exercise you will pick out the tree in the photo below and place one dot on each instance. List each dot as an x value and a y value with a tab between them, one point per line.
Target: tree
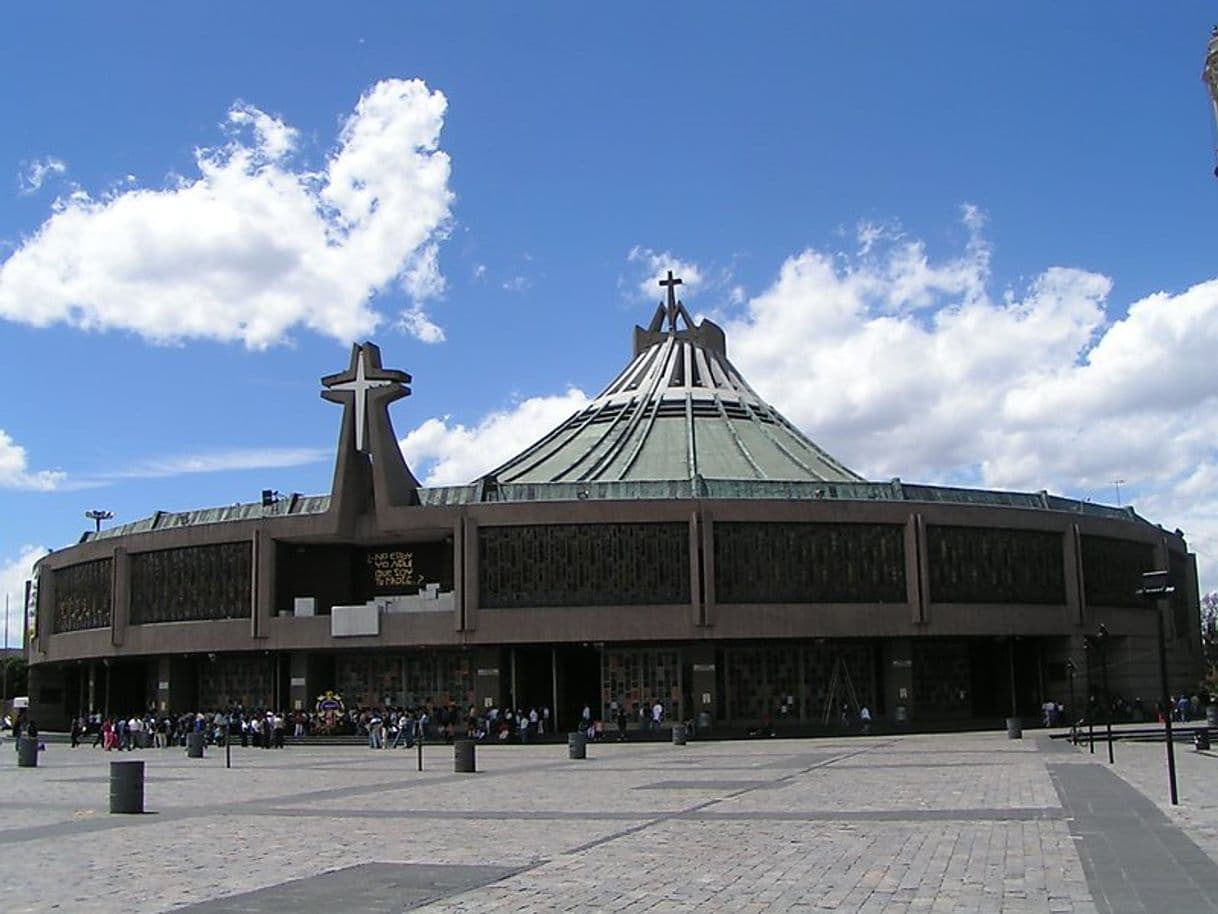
17	675
1209	639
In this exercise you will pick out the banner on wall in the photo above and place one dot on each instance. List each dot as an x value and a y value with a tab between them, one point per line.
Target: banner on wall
31	610
329	709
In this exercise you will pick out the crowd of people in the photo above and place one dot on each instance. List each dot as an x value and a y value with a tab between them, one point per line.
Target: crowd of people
1183	708
160	731
384	727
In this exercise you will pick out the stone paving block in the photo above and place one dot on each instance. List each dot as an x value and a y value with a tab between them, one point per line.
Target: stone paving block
955	822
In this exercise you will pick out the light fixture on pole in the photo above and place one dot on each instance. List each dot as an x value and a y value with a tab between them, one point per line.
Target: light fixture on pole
97	517
1154	589
1117	483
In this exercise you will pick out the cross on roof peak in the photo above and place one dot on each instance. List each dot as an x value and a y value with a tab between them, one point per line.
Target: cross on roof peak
354	386
673	307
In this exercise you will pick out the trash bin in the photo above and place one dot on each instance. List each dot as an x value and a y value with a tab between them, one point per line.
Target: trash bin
27	753
577	745
127	787
1201	740
704	720
463	756
679	734
901	715
1014	728
194	745
1211	716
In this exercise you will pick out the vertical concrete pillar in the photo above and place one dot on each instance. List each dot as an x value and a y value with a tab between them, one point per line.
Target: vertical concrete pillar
514	698
1072	553
298	681
709	609
487	678
458	559
803	684
729	695
120	597
262	595
915	570
695	571
897	657
702	679
469	571
164	679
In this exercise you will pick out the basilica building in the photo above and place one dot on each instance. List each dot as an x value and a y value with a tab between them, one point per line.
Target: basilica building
677	539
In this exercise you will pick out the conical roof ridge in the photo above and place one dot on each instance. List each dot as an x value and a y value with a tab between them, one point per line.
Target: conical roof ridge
679	410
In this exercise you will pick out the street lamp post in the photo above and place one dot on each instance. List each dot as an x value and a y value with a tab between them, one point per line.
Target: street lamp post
1101	639
1154	589
1090	697
97	516
1073	712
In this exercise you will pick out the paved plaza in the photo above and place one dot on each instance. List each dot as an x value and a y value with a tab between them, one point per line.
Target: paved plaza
936	823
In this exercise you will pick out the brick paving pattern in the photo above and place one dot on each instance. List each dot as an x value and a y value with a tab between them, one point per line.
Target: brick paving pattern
920	823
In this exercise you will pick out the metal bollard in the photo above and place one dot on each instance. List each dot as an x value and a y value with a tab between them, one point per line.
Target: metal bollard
577	745
127	787
463	756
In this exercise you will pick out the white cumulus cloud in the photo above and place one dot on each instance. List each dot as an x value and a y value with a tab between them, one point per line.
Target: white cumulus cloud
254	245
652	266
444	454
36	173
15	472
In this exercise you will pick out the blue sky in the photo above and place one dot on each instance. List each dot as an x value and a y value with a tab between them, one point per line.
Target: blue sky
954	242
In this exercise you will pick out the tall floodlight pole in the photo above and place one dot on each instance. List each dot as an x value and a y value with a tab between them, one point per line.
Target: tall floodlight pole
97	517
1154	590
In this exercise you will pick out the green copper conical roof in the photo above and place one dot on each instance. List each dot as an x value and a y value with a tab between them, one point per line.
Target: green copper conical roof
679	410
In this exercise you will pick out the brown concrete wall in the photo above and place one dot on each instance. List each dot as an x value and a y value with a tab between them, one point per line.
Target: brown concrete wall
704	620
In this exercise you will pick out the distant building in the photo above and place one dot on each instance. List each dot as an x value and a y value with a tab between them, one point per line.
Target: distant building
676	539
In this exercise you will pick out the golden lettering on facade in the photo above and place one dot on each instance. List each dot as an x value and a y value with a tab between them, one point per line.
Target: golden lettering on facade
393	569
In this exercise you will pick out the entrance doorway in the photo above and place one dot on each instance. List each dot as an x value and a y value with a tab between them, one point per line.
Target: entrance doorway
1006	677
533	679
563	678
579	684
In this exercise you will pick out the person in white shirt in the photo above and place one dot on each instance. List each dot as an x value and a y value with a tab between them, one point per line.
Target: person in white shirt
657	715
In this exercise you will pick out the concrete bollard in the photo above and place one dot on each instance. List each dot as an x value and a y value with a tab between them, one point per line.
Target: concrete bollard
463	757
27	753
127	787
577	745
